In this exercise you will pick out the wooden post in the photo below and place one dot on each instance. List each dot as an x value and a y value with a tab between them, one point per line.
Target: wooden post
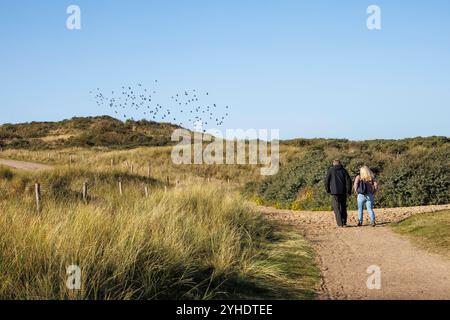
37	191
132	168
146	191
168	181
120	187
85	192
70	159
165	189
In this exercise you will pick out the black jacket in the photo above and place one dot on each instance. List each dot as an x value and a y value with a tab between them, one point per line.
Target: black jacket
338	181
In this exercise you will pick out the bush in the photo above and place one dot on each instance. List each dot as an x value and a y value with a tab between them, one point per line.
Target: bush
6	173
102	131
411	172
423	179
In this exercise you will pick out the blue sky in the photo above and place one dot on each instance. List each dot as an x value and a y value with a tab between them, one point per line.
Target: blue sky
308	68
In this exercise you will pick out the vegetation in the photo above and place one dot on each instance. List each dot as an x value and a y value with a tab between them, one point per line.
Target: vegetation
138	160
431	231
197	240
186	243
411	172
101	131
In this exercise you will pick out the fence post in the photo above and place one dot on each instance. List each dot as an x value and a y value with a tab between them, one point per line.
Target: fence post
37	191
165	189
85	192
146	191
120	187
168	181
70	159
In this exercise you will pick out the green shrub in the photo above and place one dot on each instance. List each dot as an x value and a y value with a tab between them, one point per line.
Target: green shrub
422	179
103	131
411	172
6	173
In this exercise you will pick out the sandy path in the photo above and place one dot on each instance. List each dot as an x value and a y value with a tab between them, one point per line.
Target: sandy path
344	254
23	165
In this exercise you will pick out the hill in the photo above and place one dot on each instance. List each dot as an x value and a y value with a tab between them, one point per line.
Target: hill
102	131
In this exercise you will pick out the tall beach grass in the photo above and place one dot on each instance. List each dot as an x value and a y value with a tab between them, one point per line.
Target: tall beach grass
190	242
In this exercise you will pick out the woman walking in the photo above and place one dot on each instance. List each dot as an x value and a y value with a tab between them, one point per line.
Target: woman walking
365	186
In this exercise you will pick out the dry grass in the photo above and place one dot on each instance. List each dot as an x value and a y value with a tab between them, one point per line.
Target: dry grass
159	159
190	242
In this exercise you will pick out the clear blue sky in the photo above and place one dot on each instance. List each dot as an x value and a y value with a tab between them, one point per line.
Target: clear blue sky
310	68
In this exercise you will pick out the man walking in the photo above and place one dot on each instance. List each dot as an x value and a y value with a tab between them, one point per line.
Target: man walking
339	184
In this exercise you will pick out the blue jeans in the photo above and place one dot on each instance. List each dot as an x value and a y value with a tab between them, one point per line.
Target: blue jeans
368	200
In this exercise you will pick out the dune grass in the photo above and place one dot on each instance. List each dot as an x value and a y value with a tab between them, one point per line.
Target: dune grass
190	242
137	161
430	231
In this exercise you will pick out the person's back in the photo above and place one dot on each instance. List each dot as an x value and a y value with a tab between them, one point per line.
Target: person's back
338	181
371	185
365	186
339	184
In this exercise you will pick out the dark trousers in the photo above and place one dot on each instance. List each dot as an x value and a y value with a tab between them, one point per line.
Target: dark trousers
340	209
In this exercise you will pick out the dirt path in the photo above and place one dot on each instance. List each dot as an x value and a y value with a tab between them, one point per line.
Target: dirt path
23	165
344	254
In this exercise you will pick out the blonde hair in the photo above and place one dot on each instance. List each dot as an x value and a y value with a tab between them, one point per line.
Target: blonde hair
366	174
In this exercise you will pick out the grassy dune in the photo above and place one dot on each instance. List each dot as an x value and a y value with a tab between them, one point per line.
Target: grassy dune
136	161
190	242
430	231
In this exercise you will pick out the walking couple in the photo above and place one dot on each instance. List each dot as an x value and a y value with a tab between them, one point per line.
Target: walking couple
339	184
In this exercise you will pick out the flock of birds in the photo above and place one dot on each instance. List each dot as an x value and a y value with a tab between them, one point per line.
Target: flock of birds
187	108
